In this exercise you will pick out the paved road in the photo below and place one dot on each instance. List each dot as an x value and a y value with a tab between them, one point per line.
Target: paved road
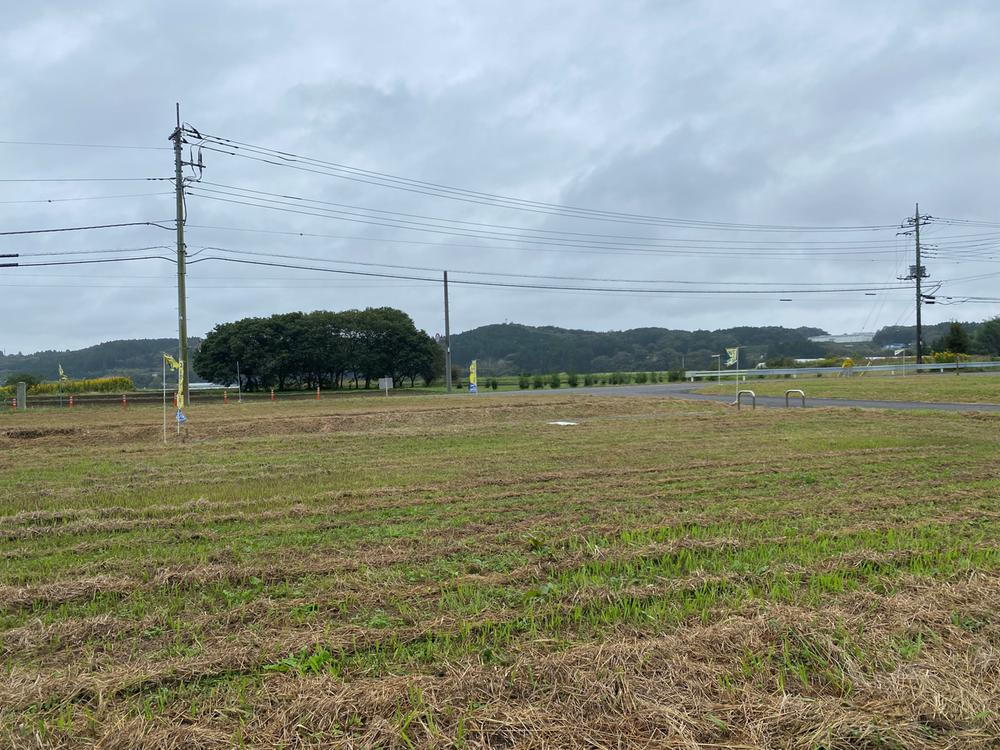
689	391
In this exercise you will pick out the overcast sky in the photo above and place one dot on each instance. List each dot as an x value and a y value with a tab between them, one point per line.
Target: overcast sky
778	113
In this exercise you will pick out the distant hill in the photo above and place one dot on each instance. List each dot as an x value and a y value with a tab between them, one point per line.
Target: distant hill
139	359
512	348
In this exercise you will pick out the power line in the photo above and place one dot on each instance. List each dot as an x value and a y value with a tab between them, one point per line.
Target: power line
97	251
506	237
94	226
383	179
263	195
514	285
84	145
525	275
83	262
84	198
695	252
967	222
84	179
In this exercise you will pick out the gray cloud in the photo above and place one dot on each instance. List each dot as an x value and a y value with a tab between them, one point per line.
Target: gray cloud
772	112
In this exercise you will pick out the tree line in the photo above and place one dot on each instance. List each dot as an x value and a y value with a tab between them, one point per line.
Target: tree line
511	349
139	359
981	338
508	349
351	348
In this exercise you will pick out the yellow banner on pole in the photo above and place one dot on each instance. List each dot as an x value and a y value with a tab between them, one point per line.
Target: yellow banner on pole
179	366
473	385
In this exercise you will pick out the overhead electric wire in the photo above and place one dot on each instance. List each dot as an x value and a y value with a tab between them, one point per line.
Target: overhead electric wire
967	222
384	179
271	198
87	179
82	228
513	285
86	262
85	145
505	237
526	275
85	198
96	251
457	246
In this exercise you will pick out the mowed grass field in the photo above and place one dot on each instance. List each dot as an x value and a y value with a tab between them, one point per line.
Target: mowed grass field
965	388
457	573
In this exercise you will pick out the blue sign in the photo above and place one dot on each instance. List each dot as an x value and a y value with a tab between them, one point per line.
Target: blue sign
180	417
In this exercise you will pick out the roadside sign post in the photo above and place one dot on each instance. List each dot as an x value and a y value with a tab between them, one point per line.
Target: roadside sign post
385	384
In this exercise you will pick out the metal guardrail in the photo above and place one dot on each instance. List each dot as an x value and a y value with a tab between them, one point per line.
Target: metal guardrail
790	391
739	400
837	371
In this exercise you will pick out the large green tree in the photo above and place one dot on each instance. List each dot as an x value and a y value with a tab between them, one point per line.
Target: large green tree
956	340
988	337
321	348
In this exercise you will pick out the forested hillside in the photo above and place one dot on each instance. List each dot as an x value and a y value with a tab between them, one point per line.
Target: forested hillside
139	359
512	348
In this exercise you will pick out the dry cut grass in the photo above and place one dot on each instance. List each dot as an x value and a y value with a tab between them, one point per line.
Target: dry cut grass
458	573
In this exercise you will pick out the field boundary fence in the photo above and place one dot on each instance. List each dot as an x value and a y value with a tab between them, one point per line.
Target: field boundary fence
201	397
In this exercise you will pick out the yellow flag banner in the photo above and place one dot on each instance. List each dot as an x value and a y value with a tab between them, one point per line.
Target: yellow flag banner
473	385
179	366
734	356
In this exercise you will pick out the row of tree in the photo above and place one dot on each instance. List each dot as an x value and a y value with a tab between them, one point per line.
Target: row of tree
510	348
984	339
322	348
139	359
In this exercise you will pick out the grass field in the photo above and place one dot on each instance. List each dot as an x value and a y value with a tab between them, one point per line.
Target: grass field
456	572
968	388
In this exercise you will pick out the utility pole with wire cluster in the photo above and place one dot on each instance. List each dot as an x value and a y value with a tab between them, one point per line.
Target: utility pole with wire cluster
447	337
918	273
182	337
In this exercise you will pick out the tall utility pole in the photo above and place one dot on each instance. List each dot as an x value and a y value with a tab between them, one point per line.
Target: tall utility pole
447	337
182	336
918	273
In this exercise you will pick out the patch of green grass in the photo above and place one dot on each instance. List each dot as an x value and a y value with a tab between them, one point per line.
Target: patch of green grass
968	388
353	540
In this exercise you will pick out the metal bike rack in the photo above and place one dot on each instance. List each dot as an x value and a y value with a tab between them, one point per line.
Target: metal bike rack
739	399
790	391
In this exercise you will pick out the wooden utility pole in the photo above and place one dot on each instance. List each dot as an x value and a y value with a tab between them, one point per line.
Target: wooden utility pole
447	337
917	274
182	336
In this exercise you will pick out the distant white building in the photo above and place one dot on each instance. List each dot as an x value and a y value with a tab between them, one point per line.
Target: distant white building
844	338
